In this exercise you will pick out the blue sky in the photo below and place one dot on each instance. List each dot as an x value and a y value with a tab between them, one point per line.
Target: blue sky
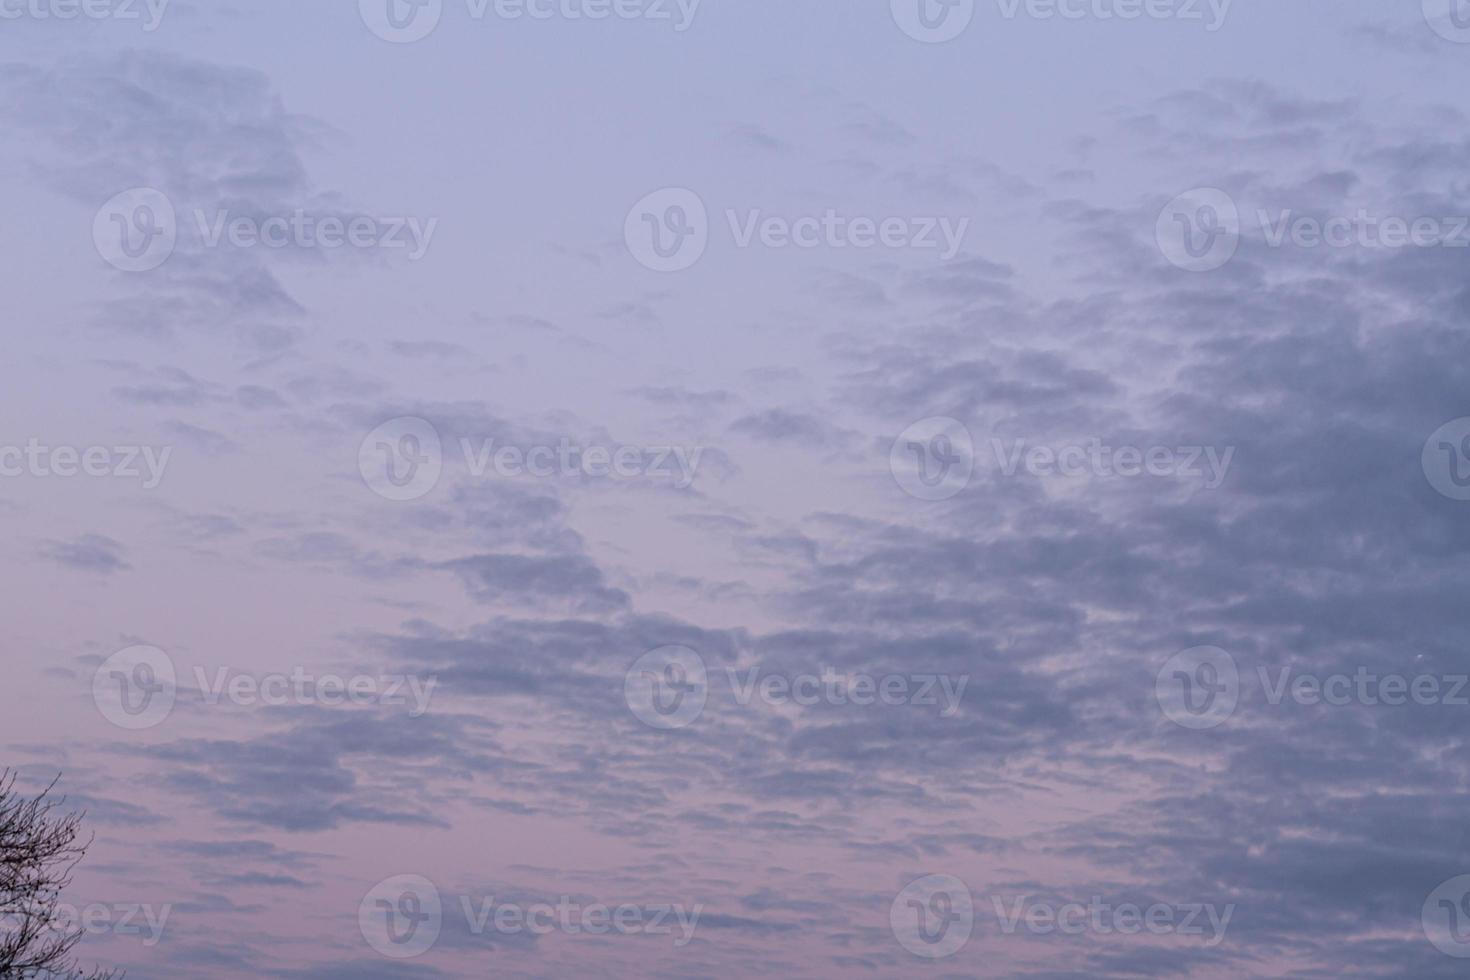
913	506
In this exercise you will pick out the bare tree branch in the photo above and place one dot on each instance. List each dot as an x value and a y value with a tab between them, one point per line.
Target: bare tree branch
40	844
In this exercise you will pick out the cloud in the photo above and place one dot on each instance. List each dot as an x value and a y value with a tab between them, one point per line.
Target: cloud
96	553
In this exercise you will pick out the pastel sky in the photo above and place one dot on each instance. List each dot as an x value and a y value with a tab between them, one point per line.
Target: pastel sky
937	488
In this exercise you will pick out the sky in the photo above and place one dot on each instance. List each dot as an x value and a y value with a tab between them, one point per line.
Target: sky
656	488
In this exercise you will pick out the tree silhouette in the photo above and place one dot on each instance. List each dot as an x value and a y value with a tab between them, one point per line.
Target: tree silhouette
39	847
